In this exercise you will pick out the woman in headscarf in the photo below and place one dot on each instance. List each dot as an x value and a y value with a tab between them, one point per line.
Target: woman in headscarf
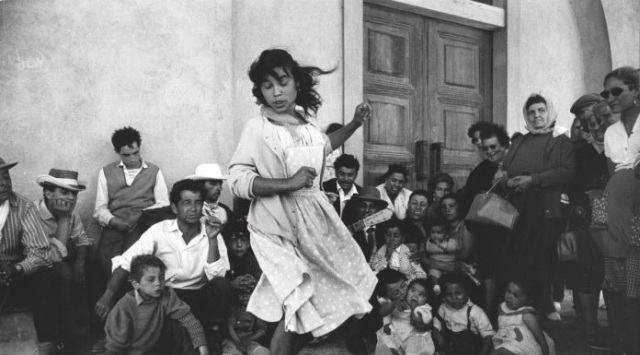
538	166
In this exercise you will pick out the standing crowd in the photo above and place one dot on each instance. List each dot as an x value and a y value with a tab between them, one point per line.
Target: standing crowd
397	270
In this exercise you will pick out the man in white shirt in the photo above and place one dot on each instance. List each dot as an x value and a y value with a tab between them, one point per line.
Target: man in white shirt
343	187
195	256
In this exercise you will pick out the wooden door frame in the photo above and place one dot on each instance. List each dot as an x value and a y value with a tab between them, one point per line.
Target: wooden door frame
469	13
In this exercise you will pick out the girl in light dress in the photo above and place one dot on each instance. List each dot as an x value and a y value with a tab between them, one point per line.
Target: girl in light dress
519	330
314	274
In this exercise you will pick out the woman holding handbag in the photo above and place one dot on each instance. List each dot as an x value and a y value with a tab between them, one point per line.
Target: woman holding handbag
538	166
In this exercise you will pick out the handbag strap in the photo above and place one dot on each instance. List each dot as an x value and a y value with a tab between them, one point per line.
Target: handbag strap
493	187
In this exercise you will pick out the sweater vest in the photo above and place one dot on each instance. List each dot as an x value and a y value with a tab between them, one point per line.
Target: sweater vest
127	202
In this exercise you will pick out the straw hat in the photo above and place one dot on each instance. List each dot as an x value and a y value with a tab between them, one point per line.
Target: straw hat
66	179
208	172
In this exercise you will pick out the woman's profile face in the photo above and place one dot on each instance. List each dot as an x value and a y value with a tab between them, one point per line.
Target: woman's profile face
493	150
623	101
538	115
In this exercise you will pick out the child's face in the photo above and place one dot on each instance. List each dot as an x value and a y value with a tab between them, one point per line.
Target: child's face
455	296
239	244
515	297
397	291
280	92
438	232
243	298
151	283
417	294
393	238
130	155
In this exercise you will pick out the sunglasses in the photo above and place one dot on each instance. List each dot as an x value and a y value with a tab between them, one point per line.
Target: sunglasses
487	147
615	92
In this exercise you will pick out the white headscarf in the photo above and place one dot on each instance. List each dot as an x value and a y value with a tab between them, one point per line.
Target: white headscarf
550	126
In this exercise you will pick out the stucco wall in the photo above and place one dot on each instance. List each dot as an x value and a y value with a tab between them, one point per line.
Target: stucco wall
624	31
73	71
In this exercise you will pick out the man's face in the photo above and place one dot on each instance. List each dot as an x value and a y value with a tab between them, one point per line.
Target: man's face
346	177
189	208
213	189
130	156
5	185
366	208
61	199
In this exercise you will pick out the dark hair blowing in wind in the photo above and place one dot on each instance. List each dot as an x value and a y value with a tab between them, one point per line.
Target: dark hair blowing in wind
304	76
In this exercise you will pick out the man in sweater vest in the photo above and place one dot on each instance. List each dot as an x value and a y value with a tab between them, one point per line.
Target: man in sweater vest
196	258
124	190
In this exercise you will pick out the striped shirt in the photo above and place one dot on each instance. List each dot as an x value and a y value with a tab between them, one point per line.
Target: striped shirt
22	239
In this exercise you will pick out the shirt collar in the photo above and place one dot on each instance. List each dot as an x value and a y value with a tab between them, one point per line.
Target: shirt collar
173	227
45	214
351	191
13	199
143	166
140	299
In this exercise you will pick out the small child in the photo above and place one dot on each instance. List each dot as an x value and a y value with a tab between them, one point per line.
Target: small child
244	271
407	316
394	254
245	330
441	247
461	327
137	322
519	330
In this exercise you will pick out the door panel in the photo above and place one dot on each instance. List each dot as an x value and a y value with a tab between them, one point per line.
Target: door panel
427	81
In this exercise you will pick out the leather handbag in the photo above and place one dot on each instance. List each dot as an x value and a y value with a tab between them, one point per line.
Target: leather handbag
492	209
568	241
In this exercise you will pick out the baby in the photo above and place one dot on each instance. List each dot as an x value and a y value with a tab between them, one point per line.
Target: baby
440	247
245	330
406	315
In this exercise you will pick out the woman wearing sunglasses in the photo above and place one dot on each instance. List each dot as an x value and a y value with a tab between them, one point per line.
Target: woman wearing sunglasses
539	166
622	246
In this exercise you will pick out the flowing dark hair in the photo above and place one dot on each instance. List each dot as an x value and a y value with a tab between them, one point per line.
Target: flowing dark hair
304	76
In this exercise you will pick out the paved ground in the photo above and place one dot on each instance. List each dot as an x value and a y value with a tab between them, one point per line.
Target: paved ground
566	333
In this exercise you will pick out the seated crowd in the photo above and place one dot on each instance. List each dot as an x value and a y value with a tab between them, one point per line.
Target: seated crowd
181	270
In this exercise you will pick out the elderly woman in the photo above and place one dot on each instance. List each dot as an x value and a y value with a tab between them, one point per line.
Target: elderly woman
538	165
393	191
622	246
494	142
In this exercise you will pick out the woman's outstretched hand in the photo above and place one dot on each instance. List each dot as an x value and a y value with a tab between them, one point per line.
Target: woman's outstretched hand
362	114
302	178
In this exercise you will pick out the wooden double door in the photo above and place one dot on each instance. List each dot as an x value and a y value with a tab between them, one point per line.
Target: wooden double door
428	81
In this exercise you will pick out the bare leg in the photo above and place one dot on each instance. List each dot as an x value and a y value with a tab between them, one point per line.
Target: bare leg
283	342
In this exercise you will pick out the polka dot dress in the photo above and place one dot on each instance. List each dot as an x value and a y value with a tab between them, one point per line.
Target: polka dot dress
321	278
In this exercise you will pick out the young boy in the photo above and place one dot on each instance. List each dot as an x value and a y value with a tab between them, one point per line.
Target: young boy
244	271
245	330
124	190
139	319
461	327
394	254
439	246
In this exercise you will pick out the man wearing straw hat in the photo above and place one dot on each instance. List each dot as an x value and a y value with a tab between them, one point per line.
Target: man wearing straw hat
26	276
211	179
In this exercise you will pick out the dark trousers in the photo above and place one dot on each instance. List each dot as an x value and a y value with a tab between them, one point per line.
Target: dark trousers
211	303
37	291
113	243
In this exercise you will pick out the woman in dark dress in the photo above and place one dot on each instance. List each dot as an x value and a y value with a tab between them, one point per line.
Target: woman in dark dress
538	165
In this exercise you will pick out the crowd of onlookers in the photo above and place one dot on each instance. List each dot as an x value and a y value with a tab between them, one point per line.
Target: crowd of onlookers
176	268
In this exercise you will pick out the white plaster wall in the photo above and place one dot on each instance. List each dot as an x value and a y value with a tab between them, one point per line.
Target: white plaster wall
624	31
543	54
310	30
73	71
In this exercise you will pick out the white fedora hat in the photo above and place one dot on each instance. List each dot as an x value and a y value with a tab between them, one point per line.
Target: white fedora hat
66	179
208	172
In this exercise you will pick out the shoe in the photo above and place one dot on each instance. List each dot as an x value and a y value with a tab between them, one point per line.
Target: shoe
98	346
554	317
598	343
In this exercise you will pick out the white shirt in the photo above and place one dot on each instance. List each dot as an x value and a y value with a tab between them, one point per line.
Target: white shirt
344	197
186	263
101	211
622	149
456	319
400	205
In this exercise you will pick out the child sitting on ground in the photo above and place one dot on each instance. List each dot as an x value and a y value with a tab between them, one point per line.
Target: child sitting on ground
394	254
245	330
519	330
244	271
461	327
138	322
441	247
407	316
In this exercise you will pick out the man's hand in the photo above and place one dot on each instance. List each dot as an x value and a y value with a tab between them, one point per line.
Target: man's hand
61	208
79	273
302	178
213	226
104	305
119	225
520	183
332	196
362	114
